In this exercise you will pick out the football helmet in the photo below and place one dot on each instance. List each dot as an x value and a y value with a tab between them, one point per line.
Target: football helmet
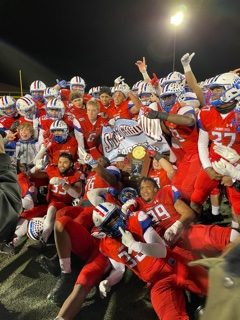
108	217
229	88
59	125
94	92
127	194
50	93
37	88
55	109
170	94
190	98
35	228
26	107
8	105
122	87
136	86
174	77
77	83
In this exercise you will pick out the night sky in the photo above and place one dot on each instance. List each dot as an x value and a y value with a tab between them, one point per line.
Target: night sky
101	39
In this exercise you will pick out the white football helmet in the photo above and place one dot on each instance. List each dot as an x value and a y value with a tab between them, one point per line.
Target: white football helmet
175	77
35	228
136	86
94	92
170	94
50	93
108	217
8	105
59	125
122	87
77	83
190	98
26	107
37	88
230	82
55	109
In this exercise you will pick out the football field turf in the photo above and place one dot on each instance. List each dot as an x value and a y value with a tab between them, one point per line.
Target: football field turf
24	286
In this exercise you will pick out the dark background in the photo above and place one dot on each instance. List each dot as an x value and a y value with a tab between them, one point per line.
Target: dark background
101	39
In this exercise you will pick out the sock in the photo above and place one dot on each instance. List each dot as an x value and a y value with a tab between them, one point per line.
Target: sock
215	210
65	265
235	224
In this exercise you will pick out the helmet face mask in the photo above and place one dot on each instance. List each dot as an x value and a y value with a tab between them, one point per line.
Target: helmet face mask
225	89
77	83
108	218
127	194
168	101
55	109
26	107
8	106
37	88
59	129
35	228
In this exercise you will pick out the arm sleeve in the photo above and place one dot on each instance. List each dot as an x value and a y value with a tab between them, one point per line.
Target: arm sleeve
116	273
78	134
203	151
154	246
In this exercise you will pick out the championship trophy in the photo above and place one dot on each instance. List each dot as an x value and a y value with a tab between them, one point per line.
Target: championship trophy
140	163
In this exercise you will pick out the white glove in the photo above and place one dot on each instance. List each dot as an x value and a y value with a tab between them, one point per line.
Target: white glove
39	164
87	158
131	204
118	80
227	153
185	60
173	232
57	181
129	242
225	168
104	288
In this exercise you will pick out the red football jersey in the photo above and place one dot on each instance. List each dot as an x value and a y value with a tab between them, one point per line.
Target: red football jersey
221	130
122	111
187	137
160	176
161	208
6	122
55	149
94	181
45	122
104	109
57	193
40	108
146	267
91	132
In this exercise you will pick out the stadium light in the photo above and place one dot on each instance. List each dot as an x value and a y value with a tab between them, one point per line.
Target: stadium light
175	20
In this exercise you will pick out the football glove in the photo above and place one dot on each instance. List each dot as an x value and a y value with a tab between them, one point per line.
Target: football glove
186	59
118	80
227	153
57	181
173	232
225	168
104	288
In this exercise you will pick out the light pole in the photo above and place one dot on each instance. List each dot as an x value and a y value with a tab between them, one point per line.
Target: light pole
175	20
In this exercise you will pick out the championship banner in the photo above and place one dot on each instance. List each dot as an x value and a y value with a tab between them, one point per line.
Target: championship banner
126	134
